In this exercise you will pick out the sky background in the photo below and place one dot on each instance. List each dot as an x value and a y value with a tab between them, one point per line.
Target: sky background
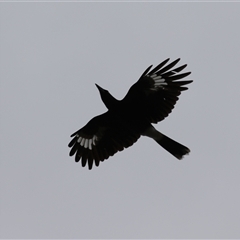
51	54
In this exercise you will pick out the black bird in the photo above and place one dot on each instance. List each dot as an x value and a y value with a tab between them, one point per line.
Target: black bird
148	101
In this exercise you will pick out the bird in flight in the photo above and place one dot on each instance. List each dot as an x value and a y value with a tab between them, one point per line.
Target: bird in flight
148	101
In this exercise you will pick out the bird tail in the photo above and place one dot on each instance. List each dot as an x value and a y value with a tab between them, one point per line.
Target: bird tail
176	149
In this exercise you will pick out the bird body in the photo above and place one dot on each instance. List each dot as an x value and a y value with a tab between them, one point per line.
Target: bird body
148	101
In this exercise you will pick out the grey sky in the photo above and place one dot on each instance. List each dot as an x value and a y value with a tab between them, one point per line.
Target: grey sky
51	54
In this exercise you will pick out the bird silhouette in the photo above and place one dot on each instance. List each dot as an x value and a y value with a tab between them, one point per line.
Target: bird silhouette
148	101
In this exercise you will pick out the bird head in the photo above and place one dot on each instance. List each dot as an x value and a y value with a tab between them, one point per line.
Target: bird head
106	97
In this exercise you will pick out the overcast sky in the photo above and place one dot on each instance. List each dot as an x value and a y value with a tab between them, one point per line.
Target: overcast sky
51	56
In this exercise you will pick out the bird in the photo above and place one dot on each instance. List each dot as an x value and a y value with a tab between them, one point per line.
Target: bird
148	101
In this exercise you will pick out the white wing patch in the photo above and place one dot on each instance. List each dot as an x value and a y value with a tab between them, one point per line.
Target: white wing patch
87	142
159	82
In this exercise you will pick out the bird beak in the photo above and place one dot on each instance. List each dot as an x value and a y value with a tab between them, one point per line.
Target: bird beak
99	88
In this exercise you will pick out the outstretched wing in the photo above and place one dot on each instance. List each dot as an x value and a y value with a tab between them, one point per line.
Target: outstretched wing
100	138
156	92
